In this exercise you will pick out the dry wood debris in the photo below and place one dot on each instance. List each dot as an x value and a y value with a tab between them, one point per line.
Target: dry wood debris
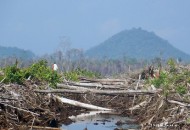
19	106
26	106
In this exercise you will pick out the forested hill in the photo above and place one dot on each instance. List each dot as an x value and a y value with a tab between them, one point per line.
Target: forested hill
136	43
15	52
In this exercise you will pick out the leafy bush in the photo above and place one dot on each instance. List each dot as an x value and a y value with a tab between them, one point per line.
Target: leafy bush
181	90
41	71
76	74
86	73
175	79
172	65
71	75
37	71
53	78
13	74
162	80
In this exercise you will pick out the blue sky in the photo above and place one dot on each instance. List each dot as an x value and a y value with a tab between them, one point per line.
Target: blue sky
41	25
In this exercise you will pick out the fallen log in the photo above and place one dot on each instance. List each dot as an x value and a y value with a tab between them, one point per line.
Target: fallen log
105	81
140	105
39	128
80	104
85	116
9	98
179	103
95	91
90	85
179	99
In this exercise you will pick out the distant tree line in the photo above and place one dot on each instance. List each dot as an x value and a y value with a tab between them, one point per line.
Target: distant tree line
73	59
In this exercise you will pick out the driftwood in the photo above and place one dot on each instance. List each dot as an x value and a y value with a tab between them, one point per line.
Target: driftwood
179	103
84	116
80	104
138	106
105	92
40	128
105	81
89	85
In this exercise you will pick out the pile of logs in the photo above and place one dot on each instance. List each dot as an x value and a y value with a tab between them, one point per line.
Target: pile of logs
27	105
146	103
21	108
30	106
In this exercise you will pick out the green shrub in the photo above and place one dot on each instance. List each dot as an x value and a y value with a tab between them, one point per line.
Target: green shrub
76	74
72	75
86	73
13	74
174	77
181	90
40	71
53	78
162	80
172	65
37	71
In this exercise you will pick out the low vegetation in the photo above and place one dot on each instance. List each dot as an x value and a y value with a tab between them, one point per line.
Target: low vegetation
160	100
76	74
40	71
172	79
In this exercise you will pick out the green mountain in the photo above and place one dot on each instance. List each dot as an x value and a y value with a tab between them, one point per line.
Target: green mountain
15	52
136	43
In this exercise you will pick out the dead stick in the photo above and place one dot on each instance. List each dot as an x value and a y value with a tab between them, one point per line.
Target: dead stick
45	128
112	99
179	103
2	80
135	94
20	109
32	123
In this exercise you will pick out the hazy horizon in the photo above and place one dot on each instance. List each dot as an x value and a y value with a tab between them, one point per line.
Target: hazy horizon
40	26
